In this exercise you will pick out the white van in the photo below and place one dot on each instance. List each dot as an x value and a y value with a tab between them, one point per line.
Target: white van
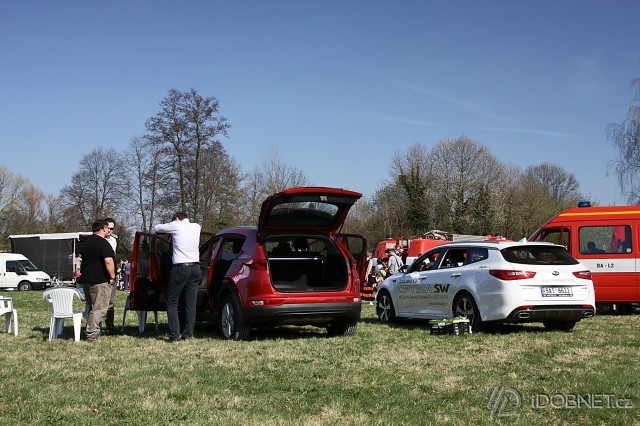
16	271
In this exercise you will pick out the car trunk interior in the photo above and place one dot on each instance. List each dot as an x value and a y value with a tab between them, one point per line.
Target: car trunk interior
306	264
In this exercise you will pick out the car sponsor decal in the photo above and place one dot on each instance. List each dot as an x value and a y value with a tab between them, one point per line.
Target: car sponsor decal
431	292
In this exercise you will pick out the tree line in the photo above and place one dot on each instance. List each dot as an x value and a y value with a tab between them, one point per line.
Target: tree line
457	185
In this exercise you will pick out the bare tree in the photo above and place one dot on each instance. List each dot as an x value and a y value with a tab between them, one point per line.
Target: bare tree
28	216
220	192
142	164
186	125
625	137
277	175
96	187
22	207
254	194
11	188
554	183
462	170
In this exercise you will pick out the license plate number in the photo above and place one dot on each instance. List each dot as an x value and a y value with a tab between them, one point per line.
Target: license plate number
557	292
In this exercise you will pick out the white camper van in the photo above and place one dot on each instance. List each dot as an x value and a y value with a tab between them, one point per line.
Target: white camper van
16	271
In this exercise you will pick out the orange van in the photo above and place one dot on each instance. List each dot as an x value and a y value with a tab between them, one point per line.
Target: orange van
607	241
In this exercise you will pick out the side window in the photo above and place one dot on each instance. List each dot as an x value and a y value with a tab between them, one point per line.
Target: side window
14	266
605	239
425	262
561	236
204	252
476	254
230	248
453	258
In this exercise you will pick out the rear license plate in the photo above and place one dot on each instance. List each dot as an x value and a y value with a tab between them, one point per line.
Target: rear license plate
557	291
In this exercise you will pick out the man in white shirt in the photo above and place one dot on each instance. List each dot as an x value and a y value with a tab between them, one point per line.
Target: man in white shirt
185	273
111	312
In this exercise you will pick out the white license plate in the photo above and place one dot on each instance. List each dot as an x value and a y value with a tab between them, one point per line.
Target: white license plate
557	291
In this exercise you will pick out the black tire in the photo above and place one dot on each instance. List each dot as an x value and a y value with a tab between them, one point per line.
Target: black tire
465	306
384	308
24	286
343	328
231	323
560	325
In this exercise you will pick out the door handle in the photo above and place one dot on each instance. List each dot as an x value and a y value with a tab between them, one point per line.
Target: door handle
456	275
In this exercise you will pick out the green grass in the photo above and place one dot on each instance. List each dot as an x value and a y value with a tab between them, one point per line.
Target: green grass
396	374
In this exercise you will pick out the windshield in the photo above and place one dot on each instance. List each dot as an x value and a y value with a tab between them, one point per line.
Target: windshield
538	255
27	265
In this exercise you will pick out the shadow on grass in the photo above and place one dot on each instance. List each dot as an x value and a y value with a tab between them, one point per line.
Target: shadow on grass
491	328
209	330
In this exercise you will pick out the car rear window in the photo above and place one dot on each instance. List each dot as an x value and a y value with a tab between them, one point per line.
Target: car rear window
538	255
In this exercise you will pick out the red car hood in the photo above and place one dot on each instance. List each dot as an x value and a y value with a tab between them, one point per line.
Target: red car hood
306	208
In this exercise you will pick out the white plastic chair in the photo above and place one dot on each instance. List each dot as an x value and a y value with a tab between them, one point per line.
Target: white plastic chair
61	299
6	309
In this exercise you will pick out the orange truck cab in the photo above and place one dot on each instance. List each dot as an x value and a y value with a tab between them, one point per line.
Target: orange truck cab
607	241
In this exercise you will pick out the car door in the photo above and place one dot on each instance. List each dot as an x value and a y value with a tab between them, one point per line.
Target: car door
15	273
146	292
449	275
206	245
357	246
414	290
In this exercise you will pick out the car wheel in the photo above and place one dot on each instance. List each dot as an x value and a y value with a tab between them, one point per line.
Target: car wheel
231	323
343	328
465	306
384	308
24	286
560	325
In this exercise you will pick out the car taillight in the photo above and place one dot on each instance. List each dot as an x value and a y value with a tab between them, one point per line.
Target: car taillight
508	275
257	264
585	275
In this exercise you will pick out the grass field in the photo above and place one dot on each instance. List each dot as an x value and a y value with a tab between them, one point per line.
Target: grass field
383	375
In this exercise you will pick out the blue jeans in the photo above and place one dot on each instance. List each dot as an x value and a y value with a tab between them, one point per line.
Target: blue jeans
183	282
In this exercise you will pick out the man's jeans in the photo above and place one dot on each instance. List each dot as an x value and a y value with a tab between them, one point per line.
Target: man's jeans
184	281
98	295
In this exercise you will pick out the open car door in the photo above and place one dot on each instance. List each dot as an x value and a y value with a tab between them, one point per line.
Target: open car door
148	279
150	268
357	246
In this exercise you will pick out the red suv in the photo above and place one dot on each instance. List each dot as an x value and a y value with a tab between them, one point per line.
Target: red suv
291	269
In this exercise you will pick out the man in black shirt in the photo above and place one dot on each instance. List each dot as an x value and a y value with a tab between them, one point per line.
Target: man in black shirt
98	276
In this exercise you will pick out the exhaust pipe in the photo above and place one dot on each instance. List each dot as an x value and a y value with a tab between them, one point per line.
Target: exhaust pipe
588	314
524	315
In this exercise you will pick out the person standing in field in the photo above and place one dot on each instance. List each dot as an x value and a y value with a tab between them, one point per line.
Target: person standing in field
185	274
111	311
98	276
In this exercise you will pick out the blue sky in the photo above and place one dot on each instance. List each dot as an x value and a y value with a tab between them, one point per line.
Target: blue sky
337	86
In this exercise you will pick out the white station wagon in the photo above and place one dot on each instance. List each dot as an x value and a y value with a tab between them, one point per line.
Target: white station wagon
491	281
